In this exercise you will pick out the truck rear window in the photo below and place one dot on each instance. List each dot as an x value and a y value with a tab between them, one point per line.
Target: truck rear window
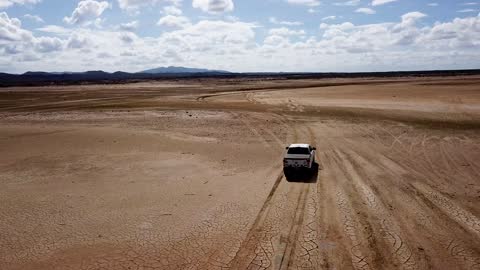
298	151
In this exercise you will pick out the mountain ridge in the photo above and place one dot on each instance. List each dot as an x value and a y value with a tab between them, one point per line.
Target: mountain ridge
158	70
39	78
176	69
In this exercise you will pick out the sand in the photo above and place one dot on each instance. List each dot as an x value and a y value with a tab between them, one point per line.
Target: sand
188	175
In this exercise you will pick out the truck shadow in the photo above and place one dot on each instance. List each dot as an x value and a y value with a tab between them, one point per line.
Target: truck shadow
304	177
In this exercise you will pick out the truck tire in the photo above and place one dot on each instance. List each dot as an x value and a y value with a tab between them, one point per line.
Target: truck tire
288	174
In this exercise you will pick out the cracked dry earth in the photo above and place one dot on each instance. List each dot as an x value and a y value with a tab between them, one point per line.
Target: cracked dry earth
187	175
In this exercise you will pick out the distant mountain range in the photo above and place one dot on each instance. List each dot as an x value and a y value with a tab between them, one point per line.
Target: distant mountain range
178	70
160	70
38	78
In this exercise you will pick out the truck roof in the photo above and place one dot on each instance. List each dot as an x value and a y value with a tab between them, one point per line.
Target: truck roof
299	145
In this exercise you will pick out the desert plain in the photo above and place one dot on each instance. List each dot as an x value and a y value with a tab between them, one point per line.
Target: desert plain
187	174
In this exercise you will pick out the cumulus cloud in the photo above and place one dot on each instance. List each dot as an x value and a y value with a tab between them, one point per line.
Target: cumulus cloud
130	26
329	18
132	6
460	33
174	21
14	39
11	30
35	18
172	10
233	45
289	23
214	6
48	44
309	3
381	2
128	37
467	10
8	3
283	31
54	29
87	10
412	17
365	11
376	37
348	3
79	41
206	35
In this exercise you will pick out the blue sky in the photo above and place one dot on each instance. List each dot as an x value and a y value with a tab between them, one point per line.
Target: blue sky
247	35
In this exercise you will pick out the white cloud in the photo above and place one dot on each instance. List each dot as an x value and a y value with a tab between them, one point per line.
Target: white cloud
130	26
283	31
11	30
329	18
172	10
342	27
79	41
467	10
87	10
54	29
289	23
381	2
48	44
130	4
174	21
365	11
460	33
213	6
406	32
432	4
128	37
309	3
133	6
217	32
348	3
8	3
232	45
15	39
35	18
412	17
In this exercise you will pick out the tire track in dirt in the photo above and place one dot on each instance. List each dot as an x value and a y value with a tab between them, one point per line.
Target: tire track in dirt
457	166
433	168
338	238
353	237
267	244
462	158
360	259
272	239
466	219
247	123
382	221
306	247
259	129
306	251
395	171
445	234
412	203
290	246
267	130
463	254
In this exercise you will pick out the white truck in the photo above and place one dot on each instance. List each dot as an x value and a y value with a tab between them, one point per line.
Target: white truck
299	158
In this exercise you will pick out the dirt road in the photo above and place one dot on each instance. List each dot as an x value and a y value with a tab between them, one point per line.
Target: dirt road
187	175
